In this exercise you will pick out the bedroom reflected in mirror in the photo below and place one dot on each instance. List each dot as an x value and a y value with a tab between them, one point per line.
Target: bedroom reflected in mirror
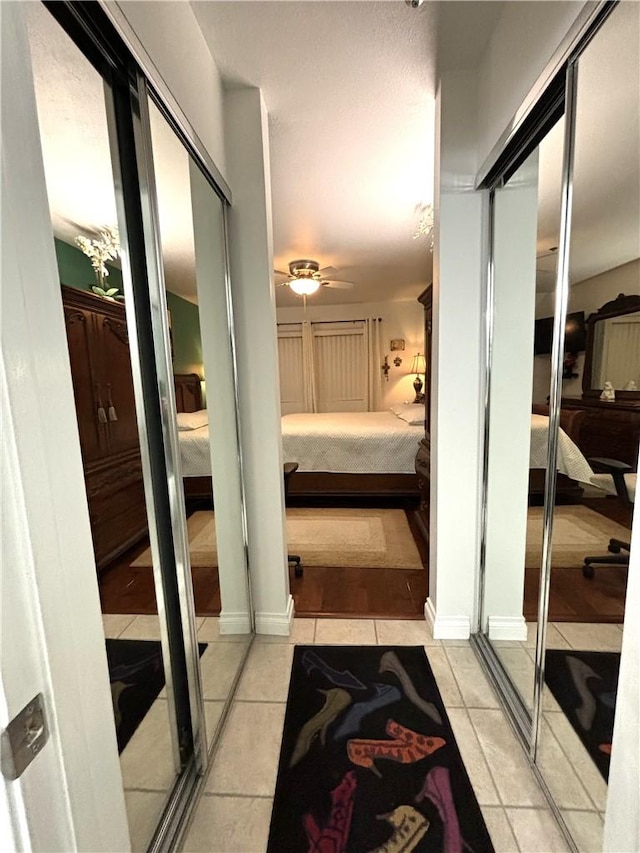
592	526
192	231
526	218
77	158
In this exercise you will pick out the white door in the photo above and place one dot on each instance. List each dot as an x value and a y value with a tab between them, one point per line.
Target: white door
51	641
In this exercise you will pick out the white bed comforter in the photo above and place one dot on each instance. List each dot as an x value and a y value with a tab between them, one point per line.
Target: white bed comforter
351	442
369	443
338	442
571	462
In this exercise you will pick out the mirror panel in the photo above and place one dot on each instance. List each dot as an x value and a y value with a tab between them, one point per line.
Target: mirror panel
193	239
526	215
586	601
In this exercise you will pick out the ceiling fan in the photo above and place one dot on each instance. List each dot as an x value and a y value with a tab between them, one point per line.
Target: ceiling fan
305	277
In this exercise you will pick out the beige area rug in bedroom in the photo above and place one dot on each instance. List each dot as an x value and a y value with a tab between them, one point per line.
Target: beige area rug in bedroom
578	532
332	538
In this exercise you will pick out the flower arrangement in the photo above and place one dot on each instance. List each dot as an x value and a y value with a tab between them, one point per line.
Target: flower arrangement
106	248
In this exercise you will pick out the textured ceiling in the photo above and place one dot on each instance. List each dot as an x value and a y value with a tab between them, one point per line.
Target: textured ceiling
349	89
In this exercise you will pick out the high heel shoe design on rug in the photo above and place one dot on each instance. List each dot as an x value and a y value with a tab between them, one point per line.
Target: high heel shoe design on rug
336	700
406	747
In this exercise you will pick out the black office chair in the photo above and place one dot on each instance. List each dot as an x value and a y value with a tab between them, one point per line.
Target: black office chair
289	469
625	490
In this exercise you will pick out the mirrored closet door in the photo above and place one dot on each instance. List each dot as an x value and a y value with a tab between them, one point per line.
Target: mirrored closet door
139	225
563	415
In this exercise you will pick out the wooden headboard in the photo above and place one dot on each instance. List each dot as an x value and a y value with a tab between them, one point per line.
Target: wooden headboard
188	392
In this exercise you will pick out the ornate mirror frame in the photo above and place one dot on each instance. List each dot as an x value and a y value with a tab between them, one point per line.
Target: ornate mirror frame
615	308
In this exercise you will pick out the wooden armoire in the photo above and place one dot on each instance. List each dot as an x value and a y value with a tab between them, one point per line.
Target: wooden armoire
105	406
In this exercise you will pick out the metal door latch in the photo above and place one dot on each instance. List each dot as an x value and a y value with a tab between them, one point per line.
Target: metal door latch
23	738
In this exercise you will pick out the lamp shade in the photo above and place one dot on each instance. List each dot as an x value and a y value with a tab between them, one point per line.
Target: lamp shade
304	286
418	364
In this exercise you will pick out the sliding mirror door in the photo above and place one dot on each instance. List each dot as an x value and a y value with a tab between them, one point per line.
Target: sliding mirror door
525	221
589	560
144	655
191	216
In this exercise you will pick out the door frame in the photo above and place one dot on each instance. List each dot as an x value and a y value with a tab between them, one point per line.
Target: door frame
71	796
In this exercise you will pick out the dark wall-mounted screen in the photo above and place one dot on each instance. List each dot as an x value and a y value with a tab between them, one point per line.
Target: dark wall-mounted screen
575	334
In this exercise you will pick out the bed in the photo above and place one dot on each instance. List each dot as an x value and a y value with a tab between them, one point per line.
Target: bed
573	468
340	455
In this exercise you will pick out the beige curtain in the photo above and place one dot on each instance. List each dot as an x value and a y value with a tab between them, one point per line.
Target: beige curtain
374	363
309	369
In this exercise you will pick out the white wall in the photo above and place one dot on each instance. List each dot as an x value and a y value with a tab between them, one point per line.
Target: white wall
209	242
404	319
51	636
622	820
251	256
474	109
457	384
171	36
524	40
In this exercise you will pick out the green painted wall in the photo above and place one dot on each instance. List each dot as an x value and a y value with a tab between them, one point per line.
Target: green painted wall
76	271
185	331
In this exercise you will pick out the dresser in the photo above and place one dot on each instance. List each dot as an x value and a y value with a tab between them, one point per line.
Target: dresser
609	429
98	343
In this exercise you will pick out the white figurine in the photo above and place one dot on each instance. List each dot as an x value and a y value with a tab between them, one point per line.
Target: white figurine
608	392
631	385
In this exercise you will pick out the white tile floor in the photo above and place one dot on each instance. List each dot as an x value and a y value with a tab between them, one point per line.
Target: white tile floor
148	773
575	782
234	812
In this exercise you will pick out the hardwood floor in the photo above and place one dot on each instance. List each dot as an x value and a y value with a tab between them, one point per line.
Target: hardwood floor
383	593
127	590
389	593
574	598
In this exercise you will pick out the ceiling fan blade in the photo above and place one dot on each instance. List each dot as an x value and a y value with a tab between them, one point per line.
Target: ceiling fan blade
339	285
279	272
327	272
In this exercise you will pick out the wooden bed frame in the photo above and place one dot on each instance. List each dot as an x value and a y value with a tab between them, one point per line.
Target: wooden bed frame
309	488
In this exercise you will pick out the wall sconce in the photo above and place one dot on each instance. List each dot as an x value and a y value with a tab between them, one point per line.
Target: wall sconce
418	366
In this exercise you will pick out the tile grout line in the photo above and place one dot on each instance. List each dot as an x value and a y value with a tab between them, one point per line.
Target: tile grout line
484	755
569	762
238	796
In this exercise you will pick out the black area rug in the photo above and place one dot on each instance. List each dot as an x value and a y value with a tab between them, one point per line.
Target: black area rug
136	673
585	685
369	761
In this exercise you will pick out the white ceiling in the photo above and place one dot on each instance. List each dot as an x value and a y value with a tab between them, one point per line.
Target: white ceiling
349	88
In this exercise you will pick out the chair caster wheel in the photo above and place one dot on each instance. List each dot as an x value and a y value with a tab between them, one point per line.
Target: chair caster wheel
588	571
614	549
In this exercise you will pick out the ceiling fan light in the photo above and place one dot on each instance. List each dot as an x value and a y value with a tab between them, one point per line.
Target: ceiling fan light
304	286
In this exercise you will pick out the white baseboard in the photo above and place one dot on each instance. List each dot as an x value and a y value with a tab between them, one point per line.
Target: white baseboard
278	624
507	628
446	627
234	623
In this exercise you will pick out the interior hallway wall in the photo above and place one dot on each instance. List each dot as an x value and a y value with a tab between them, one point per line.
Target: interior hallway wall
171	36
251	257
474	109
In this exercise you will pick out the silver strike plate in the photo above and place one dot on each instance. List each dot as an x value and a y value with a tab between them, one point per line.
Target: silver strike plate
23	738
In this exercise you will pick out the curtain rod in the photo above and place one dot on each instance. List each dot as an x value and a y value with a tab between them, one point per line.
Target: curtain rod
318	322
